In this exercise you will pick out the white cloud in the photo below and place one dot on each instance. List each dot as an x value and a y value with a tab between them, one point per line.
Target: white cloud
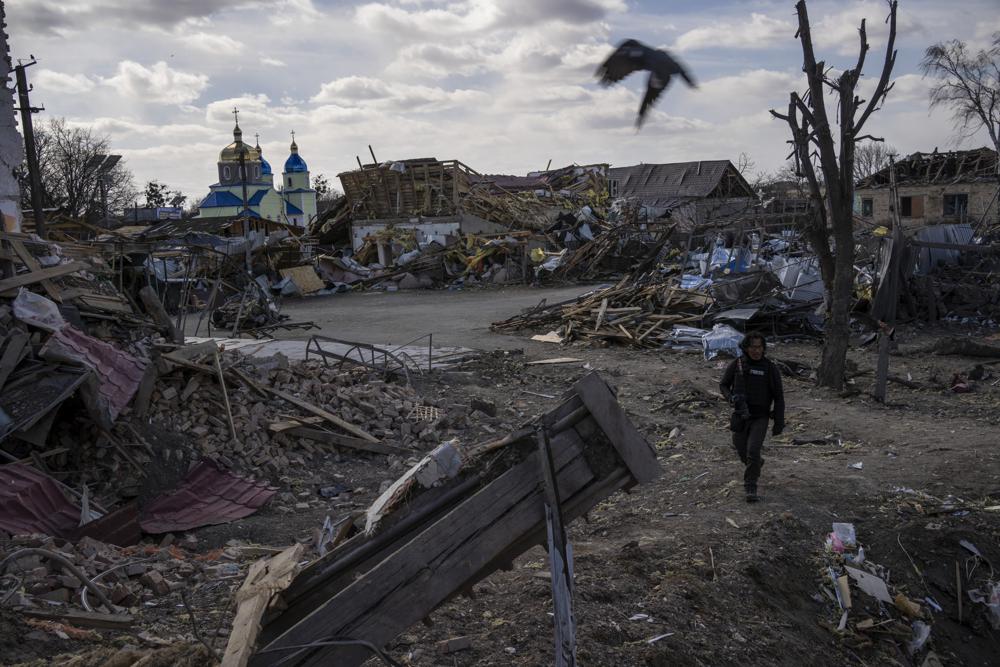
254	109
293	13
272	62
416	21
839	30
438	61
122	129
214	43
758	88
394	96
760	32
61	82
57	17
156	84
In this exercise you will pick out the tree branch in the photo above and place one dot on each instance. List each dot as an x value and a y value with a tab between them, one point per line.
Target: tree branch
883	87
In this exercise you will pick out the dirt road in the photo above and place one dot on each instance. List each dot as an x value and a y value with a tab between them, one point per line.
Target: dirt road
459	318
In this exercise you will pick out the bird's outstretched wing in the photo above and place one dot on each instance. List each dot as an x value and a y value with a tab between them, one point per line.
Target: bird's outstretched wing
668	64
630	56
656	84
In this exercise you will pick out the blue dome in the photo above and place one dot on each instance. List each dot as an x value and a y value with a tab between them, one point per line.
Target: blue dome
295	163
265	167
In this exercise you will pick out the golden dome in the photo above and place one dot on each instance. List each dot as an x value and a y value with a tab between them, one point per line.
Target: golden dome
231	153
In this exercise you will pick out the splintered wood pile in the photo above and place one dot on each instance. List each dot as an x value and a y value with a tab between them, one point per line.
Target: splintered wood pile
464	513
631	314
587	261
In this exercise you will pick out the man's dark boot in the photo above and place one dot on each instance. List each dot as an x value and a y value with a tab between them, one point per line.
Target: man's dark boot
751	490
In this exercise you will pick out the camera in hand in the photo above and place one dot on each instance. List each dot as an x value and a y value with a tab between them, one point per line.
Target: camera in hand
740	407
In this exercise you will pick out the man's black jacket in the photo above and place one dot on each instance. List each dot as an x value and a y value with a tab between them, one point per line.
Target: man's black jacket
762	381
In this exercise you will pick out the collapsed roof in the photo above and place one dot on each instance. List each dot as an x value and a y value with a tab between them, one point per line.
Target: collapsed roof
936	168
676	182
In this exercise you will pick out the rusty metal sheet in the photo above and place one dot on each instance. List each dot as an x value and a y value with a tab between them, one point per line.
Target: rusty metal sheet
119	527
207	496
119	372
31	502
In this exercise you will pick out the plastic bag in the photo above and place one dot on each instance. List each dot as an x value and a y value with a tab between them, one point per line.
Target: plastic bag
845	532
36	310
722	338
989	595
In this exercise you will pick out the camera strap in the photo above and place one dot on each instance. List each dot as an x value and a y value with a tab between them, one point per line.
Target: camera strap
740	384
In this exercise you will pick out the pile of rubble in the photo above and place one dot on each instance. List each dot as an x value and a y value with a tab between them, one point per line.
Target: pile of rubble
266	399
89	575
649	310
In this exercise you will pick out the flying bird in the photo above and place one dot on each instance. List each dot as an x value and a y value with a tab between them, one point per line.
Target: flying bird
631	56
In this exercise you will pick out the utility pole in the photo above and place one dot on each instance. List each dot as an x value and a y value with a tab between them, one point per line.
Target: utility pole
892	250
34	177
242	149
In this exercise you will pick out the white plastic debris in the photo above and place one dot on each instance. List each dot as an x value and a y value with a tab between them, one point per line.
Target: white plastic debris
38	311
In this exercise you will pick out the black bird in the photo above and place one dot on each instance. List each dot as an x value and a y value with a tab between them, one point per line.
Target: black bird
631	56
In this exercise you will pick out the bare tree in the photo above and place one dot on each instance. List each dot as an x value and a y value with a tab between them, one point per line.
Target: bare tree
812	134
871	158
969	85
66	159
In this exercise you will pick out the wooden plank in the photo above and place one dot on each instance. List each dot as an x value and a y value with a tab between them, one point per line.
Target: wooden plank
556	360
154	307
225	394
33	277
628	442
320	412
346	441
104	302
304	277
600	314
560	560
416	578
994	248
12	354
83	619
33	265
266	578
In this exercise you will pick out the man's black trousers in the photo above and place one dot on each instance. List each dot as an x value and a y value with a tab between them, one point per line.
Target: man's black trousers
748	443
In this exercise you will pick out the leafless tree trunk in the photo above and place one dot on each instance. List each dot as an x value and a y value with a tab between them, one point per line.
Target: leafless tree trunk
812	134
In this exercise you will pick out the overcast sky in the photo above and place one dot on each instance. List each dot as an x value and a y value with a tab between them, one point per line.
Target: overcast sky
502	85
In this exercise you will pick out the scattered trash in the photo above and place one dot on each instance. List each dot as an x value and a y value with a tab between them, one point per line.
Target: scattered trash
857	466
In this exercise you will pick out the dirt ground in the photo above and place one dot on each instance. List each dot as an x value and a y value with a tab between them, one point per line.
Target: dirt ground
683	571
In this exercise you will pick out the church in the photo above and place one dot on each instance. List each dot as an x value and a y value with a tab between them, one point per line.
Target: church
292	203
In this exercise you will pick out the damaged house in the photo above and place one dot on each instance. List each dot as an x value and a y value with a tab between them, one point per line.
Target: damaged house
422	194
934	188
694	195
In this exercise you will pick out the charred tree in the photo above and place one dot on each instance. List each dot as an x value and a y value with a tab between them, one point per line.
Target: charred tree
813	136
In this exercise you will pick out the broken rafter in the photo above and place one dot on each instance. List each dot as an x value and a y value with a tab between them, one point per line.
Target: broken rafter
469	528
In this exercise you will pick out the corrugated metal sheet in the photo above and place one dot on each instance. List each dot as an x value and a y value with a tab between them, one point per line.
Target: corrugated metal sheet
30	502
119	372
207	496
665	183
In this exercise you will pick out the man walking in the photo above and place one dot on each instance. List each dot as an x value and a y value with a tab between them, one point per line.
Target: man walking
752	384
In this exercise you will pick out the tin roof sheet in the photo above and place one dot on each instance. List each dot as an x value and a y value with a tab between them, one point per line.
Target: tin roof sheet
207	496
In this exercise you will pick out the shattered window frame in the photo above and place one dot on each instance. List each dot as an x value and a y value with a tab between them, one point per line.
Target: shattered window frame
867	206
911	206
614	186
955	205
